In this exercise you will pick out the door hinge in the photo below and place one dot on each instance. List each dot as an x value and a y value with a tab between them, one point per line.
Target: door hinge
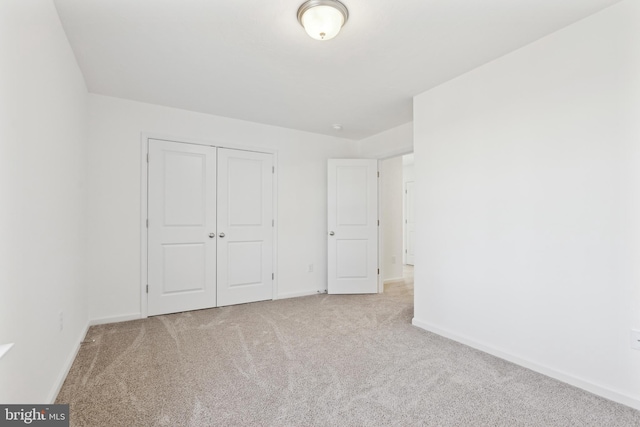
147	288
405	192
273	276
147	157
405	221
378	223
378	271
273	169
405	251
273	222
147	222
378	174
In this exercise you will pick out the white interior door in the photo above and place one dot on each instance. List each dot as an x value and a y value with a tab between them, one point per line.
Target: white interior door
353	226
245	226
410	223
181	212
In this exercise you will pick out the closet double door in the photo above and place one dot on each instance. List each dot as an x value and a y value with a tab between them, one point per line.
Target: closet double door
210	229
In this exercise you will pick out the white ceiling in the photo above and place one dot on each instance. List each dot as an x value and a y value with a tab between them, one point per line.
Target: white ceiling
251	60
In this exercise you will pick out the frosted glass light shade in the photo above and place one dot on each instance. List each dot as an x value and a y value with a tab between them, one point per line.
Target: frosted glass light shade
322	19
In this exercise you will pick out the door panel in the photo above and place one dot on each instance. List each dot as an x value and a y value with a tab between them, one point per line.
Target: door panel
181	211
240	255
184	188
351	195
353	220
245	253
245	185
410	223
351	258
184	267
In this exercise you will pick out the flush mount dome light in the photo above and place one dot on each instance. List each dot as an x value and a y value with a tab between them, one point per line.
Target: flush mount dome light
322	19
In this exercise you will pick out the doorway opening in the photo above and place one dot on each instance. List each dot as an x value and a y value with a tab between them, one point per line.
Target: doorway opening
397	222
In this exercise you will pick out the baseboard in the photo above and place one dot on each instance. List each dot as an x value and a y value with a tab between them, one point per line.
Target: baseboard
67	367
393	280
631	401
115	319
298	294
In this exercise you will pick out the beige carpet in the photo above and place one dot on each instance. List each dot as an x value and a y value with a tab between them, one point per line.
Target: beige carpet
315	361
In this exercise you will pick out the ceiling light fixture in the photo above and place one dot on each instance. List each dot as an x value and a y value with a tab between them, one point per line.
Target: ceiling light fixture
322	19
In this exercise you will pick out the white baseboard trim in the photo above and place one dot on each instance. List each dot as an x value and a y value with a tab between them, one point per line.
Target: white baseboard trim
297	294
393	280
67	367
633	402
115	319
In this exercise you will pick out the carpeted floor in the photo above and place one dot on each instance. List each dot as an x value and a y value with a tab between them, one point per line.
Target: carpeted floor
324	360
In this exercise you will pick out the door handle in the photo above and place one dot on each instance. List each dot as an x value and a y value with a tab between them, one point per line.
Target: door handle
221	235
331	233
212	235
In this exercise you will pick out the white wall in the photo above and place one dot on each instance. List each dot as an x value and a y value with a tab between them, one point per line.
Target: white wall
114	202
528	205
391	218
393	142
42	146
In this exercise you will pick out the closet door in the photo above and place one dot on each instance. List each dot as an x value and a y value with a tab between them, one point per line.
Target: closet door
182	221
245	227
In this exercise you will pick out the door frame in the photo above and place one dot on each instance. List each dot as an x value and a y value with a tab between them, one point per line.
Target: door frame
381	242
405	228
144	191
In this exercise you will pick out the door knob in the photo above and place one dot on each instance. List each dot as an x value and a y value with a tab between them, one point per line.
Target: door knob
212	235
331	233
221	235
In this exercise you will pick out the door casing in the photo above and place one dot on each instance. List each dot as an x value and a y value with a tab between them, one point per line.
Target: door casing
409	227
